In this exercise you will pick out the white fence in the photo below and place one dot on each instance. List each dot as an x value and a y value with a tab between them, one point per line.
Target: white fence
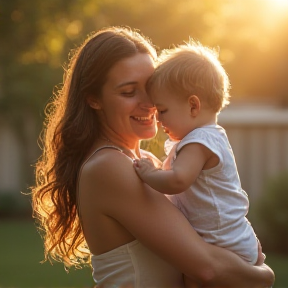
259	138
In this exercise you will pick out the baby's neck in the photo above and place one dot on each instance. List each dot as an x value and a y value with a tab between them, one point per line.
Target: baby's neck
207	119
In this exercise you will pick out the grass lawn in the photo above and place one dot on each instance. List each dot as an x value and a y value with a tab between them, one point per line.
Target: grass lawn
279	264
21	252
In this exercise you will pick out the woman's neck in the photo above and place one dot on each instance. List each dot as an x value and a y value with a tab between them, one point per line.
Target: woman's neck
131	148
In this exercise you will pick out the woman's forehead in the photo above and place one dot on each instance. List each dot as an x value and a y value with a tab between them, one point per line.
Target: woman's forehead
132	69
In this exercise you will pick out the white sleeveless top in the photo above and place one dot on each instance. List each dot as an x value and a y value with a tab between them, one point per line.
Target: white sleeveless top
215	204
132	265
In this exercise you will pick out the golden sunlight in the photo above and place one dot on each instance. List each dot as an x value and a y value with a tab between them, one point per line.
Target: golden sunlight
274	12
281	3
278	4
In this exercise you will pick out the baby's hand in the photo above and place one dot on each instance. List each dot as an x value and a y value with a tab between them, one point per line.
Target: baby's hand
261	255
144	167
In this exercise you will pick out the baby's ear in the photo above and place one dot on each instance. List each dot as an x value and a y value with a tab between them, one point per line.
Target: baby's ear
93	102
195	105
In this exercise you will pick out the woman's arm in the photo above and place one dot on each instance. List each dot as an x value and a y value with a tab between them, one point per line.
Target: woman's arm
157	224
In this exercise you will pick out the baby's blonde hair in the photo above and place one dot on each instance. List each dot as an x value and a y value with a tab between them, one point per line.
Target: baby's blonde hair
192	69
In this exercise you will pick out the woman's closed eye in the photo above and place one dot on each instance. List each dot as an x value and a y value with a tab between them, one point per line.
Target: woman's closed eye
128	93
162	111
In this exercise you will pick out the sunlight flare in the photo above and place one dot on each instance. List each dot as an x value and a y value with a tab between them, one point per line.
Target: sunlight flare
278	4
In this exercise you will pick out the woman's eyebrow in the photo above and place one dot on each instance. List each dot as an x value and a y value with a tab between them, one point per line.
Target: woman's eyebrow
125	84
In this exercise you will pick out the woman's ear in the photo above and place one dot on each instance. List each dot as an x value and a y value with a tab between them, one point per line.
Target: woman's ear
93	102
195	105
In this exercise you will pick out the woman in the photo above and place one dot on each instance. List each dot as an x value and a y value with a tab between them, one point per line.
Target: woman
88	194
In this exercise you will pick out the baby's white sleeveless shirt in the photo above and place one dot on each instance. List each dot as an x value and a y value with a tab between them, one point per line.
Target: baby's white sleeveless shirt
215	204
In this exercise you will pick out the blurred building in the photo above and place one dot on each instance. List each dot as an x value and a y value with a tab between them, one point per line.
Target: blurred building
258	135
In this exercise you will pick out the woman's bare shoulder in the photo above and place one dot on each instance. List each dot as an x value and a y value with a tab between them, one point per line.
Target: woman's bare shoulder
105	162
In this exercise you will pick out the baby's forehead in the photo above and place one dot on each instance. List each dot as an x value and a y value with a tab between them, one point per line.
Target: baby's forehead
156	94
160	98
156	89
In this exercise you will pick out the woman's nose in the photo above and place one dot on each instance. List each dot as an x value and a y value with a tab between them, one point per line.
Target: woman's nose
146	102
158	116
147	105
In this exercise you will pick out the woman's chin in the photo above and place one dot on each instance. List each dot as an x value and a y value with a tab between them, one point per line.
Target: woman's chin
148	134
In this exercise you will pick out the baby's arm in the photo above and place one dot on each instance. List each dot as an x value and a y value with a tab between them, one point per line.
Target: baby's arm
189	162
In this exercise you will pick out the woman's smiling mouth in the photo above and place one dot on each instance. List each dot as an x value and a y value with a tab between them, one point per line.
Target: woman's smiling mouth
144	119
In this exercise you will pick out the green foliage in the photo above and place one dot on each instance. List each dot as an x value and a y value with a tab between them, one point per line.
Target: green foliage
36	39
14	203
156	145
273	215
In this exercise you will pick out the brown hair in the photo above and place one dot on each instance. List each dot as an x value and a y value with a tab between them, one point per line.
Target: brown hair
70	128
192	69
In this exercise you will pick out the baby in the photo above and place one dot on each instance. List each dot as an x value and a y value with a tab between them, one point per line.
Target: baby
189	88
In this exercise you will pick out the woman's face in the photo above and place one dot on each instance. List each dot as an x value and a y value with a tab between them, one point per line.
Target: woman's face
125	109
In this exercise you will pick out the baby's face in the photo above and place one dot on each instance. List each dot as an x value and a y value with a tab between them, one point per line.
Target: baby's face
173	113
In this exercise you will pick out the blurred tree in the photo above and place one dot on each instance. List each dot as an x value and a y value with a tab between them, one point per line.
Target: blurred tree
26	79
36	37
36	40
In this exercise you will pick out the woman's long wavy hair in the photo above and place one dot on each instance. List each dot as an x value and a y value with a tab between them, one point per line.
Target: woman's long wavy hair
70	129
